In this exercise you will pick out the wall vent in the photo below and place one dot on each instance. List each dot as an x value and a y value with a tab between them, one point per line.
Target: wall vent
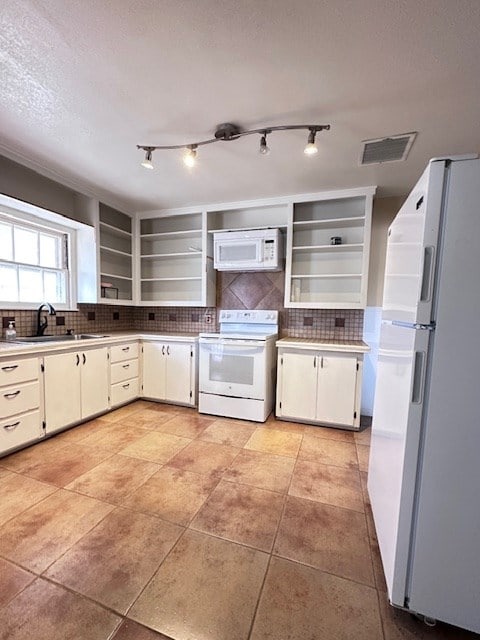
390	149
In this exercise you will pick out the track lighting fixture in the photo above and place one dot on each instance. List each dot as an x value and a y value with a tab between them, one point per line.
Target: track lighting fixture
264	149
228	132
311	148
147	162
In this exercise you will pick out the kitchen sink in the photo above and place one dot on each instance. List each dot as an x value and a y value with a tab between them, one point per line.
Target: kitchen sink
66	338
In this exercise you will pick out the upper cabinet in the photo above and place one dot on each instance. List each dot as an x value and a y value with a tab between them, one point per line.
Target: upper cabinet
116	256
176	265
328	246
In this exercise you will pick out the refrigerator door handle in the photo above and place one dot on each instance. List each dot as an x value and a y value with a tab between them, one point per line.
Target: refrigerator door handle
428	269
418	377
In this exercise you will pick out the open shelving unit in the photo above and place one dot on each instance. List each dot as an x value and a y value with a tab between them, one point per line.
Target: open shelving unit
173	260
321	273
116	256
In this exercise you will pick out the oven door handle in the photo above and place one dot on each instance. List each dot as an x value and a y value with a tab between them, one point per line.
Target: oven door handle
232	343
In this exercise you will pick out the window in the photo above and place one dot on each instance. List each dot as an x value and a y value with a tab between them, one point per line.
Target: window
33	263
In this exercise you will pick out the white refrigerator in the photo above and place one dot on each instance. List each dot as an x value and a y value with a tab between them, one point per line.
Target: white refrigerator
424	470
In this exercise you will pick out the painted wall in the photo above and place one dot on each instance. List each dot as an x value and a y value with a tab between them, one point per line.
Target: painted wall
24	184
384	211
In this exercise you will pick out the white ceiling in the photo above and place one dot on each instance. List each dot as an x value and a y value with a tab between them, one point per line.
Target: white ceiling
84	82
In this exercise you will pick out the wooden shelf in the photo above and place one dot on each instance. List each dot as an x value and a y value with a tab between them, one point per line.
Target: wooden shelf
115	230
116	251
335	223
328	247
112	275
270	226
171	234
182	254
326	276
169	279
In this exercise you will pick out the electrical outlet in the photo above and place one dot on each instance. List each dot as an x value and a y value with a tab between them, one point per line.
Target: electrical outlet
208	318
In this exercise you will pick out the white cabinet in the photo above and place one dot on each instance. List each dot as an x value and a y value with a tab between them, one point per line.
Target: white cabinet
319	386
116	256
175	261
21	408
76	386
124	370
169	371
328	246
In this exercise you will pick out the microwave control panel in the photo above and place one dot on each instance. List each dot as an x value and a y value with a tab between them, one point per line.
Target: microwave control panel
269	253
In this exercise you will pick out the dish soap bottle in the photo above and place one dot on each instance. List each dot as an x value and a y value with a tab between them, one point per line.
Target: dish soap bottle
10	333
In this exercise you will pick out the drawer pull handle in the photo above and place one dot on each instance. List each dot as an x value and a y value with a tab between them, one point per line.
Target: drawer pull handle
125	366
125	386
168	350
126	349
14	394
10	427
84	358
163	350
11	367
78	359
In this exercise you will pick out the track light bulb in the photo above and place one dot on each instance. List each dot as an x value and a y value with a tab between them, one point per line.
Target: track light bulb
147	163
264	149
311	147
190	157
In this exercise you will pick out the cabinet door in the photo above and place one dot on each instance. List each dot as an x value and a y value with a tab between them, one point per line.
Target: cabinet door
94	381
62	390
337	377
154	364
178	376
298	385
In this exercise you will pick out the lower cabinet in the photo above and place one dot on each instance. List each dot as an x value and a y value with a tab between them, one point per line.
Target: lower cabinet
124	386
169	372
319	387
76	386
21	411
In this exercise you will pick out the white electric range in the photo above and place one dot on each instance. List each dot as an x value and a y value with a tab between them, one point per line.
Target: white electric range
237	366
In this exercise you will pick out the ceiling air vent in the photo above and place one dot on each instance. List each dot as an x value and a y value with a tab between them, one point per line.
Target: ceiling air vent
391	149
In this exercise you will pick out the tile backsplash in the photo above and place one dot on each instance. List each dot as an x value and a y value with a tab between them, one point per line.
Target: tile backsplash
258	290
90	318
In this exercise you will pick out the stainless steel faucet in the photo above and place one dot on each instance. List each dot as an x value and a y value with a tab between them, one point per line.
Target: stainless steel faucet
42	325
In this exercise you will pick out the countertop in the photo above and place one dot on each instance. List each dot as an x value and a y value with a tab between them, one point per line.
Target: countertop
107	338
349	346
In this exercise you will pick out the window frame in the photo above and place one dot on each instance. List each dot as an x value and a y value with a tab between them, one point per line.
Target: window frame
27	215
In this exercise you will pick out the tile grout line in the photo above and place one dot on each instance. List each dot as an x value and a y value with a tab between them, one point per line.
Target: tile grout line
260	593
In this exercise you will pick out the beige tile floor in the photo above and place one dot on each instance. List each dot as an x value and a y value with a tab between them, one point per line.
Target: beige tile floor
156	522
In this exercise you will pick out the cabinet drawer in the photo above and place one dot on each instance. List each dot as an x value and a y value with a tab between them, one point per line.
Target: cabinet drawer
15	371
124	392
20	398
126	351
121	371
20	430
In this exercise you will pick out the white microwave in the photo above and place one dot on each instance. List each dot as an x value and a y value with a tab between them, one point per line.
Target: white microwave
252	250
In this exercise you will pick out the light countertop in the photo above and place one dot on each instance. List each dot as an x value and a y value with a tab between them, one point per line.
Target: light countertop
317	344
107	338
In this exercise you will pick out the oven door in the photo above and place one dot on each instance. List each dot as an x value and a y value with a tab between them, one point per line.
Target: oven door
233	368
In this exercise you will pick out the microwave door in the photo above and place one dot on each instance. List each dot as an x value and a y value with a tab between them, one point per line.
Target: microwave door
240	254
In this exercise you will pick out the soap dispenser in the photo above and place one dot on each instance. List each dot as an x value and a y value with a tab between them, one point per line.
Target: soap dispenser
10	333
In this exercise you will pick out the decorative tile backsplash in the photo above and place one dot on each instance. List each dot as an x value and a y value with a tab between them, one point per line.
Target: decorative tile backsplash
182	319
90	318
258	290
